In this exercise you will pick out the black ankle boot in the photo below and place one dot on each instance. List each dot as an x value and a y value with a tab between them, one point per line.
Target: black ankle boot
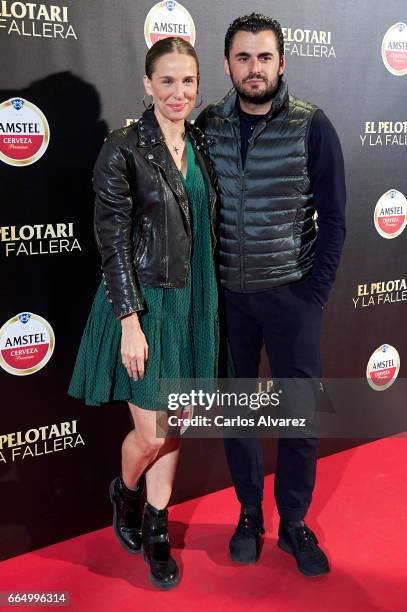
164	572
127	513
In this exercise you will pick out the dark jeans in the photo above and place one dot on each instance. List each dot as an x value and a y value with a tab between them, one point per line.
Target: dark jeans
288	320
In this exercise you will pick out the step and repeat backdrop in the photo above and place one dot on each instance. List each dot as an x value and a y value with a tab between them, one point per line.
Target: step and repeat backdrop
71	72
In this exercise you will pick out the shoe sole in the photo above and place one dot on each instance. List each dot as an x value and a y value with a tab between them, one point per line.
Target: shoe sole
282	544
123	544
163	586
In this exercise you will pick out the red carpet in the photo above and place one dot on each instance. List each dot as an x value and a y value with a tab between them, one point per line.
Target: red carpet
359	514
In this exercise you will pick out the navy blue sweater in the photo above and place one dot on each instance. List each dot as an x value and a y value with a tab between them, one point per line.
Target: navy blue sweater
327	175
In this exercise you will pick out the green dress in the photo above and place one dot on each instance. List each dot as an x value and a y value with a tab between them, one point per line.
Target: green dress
180	325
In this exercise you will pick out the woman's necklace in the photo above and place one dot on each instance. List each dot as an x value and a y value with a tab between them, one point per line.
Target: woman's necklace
174	145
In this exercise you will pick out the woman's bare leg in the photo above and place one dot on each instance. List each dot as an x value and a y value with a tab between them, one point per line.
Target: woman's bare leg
161	473
142	452
141	446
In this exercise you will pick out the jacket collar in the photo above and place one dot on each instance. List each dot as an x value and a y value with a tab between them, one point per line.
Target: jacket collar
149	130
227	106
150	133
152	139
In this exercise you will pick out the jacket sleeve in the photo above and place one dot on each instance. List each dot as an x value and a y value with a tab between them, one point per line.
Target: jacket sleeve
113	225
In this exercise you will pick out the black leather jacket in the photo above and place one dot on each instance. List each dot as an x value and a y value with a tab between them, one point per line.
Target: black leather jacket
142	217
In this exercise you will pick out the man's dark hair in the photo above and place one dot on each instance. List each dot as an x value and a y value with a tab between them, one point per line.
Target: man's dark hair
255	22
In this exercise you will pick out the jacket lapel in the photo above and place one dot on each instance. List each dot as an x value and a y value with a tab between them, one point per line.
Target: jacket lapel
160	156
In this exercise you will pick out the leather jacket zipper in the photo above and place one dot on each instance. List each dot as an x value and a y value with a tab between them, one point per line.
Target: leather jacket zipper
166	240
178	195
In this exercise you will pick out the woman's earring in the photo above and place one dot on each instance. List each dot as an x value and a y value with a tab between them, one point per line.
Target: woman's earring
200	104
148	106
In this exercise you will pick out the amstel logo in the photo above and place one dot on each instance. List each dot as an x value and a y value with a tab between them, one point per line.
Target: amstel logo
383	367
390	215
168	18
27	342
24	132
394	49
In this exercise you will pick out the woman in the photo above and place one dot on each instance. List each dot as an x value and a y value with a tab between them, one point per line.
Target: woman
155	313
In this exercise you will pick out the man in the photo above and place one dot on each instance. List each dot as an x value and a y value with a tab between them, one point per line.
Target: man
278	160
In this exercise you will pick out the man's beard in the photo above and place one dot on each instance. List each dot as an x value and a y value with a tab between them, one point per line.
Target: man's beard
256	97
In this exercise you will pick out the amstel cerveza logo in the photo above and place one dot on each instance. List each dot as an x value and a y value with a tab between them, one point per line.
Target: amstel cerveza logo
390	214
383	367
24	132
27	342
394	49
168	18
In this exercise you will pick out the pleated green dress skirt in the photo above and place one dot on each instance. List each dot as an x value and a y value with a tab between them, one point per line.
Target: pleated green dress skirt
180	325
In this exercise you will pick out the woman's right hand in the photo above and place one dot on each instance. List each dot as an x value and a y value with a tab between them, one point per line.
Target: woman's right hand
134	347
